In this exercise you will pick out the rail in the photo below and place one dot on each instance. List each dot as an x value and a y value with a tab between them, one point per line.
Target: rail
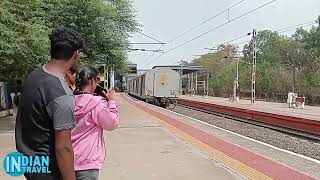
294	125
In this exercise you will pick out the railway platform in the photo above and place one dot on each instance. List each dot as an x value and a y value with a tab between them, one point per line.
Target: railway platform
245	157
140	149
309	112
306	120
154	143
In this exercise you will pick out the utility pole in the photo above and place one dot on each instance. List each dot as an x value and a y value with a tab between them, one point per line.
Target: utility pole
254	66
207	94
295	70
189	84
236	84
112	77
294	78
104	76
180	80
237	78
196	86
107	77
192	83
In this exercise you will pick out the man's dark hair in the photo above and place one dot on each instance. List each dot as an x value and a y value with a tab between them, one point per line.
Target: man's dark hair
64	42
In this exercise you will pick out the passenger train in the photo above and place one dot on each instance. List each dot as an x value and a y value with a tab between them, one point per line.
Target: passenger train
159	86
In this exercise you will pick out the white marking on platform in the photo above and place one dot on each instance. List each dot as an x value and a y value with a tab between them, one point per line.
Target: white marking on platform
242	136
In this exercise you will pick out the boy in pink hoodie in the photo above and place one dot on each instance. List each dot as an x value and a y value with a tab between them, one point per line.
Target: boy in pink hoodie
93	114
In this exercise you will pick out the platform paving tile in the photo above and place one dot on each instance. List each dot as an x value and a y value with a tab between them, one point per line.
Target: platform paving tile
305	165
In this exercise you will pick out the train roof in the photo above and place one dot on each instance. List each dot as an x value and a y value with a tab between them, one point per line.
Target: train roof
187	69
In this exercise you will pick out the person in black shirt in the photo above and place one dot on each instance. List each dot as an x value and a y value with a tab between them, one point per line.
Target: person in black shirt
46	111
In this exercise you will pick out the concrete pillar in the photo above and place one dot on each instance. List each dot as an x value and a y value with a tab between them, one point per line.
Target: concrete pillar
204	88
192	83
196	83
3	99
111	78
189	86
106	81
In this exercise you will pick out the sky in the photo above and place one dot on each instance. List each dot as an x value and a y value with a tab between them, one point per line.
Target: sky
166	19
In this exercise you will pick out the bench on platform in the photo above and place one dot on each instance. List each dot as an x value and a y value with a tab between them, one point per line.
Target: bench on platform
299	102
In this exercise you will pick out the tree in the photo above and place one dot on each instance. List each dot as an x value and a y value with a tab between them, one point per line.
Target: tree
26	24
282	63
106	26
221	67
23	46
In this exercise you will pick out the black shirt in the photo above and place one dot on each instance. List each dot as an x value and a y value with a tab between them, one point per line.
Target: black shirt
46	105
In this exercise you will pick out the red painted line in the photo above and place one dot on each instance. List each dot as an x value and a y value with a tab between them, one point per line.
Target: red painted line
307	125
262	164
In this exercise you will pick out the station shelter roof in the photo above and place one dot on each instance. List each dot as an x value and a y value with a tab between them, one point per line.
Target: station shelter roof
186	69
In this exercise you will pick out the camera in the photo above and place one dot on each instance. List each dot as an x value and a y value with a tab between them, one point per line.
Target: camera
99	90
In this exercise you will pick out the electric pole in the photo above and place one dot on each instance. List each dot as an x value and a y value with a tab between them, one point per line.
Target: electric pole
196	87
111	77
236	84
180	80
295	70
104	76
207	94
254	66
107	77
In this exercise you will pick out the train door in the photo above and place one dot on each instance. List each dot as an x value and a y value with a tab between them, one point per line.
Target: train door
161	84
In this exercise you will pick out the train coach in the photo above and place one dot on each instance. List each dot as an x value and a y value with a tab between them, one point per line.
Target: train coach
159	86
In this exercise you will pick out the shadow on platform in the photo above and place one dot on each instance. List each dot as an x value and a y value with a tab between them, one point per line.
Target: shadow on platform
7	124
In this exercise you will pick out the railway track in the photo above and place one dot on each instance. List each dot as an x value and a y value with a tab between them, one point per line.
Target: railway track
290	131
292	140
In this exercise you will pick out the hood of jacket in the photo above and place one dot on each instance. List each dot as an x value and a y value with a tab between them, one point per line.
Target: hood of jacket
85	103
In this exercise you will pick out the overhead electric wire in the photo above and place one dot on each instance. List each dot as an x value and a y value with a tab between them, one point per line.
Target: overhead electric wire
144	43
207	32
159	42
293	28
152	55
240	37
204	22
153	59
150	37
150	50
195	27
280	31
248	34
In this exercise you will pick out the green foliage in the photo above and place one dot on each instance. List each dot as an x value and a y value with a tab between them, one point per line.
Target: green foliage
22	44
277	58
221	70
26	24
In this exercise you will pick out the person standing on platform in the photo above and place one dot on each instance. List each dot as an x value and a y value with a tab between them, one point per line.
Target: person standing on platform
94	113
71	77
46	112
15	96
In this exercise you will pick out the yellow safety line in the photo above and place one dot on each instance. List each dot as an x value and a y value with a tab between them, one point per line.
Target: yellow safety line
215	154
218	155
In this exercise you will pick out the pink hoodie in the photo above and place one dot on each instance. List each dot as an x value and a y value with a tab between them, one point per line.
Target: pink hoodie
93	115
